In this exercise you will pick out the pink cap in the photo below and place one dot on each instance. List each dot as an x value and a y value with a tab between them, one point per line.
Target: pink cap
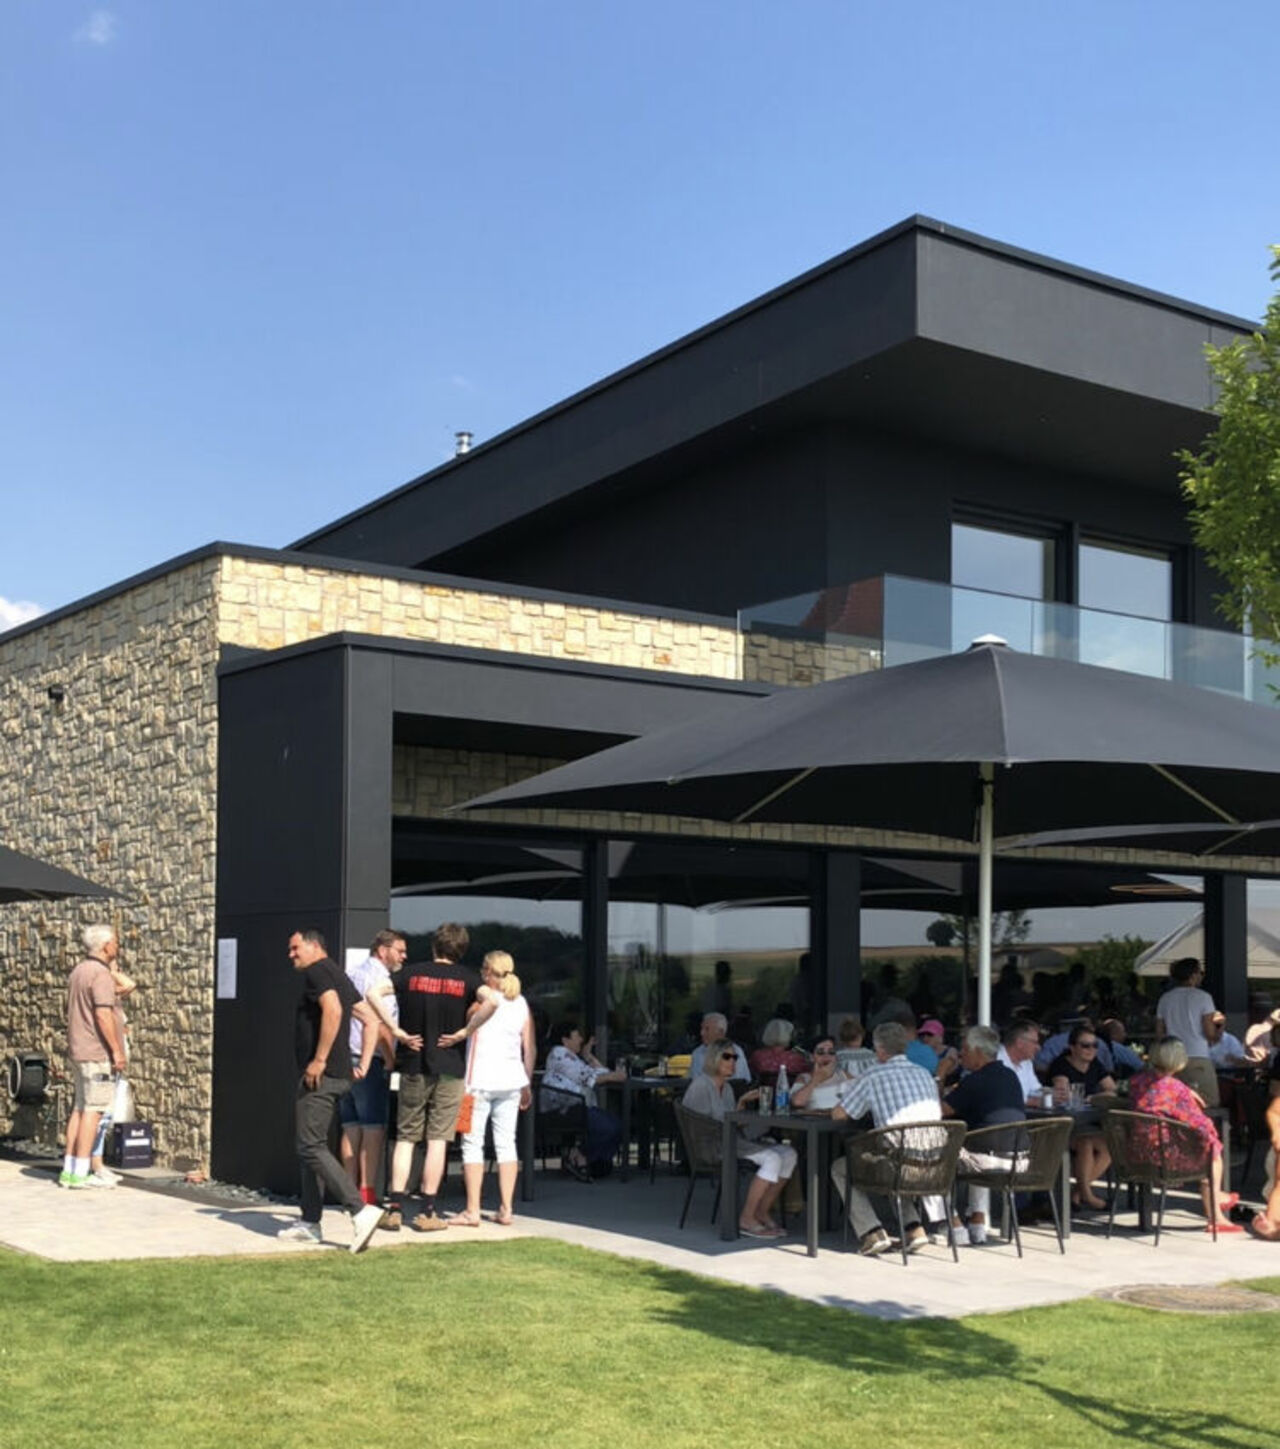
931	1026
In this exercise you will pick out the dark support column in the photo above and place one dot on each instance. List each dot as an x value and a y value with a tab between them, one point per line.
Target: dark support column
1226	944
366	816
595	940
835	938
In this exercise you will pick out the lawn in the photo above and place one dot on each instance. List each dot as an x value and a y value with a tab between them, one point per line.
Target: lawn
541	1343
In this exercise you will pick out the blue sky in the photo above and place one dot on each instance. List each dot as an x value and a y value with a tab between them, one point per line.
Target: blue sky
261	261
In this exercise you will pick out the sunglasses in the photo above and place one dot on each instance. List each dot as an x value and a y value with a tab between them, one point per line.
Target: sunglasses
1088	1046
728	1056
824	1052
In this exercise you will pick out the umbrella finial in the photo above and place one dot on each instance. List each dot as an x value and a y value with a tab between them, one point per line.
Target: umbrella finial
993	639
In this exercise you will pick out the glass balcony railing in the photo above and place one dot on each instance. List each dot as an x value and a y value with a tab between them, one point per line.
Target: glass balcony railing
888	620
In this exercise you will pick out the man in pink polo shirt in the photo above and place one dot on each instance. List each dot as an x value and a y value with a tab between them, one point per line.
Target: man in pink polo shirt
95	1049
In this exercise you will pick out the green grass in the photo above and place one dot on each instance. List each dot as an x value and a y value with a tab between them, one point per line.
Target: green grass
544	1344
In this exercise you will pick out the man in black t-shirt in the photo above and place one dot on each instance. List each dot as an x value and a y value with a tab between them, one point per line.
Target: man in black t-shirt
435	998
321	1032
988	1095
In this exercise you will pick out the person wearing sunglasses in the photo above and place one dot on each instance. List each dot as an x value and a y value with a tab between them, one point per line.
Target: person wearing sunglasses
711	1095
1079	1065
820	1089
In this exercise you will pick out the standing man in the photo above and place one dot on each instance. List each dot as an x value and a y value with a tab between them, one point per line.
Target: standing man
322	1039
434	998
1187	1012
365	1107
96	1049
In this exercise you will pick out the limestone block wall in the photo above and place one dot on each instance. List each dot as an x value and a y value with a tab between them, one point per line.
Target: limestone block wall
117	783
784	659
268	605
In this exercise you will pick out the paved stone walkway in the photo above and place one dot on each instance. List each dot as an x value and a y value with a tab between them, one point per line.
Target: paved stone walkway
638	1220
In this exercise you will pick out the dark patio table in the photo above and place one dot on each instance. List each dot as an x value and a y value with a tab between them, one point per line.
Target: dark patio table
820	1131
627	1091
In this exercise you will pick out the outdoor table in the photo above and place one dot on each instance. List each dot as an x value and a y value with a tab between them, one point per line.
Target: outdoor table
627	1090
820	1130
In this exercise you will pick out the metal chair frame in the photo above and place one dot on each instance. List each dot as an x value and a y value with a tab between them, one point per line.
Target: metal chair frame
1035	1164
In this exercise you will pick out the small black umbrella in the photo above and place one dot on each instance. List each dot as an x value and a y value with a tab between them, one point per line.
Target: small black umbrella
24	878
986	742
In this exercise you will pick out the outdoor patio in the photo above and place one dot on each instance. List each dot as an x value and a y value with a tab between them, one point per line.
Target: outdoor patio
638	1220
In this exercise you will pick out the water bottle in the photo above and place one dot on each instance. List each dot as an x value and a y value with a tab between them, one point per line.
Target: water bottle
782	1092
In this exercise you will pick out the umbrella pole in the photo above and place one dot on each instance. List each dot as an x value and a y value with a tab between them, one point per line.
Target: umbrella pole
986	836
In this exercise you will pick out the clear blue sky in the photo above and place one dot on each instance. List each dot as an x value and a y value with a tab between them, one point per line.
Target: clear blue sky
261	260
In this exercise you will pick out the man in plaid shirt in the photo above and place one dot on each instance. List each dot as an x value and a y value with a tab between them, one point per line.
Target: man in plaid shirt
894	1092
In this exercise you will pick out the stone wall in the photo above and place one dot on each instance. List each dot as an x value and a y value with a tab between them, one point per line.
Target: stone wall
268	605
117	783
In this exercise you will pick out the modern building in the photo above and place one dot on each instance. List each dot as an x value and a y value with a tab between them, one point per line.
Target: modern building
928	437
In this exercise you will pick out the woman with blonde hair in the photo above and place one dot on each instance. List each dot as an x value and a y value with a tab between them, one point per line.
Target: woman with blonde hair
500	1057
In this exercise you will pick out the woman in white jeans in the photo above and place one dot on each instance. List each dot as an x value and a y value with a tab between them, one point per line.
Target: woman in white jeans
500	1057
712	1095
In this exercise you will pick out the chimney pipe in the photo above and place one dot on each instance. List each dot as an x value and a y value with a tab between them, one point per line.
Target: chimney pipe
461	444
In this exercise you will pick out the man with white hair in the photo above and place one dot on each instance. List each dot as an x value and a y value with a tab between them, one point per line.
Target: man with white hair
715	1028
96	1051
894	1093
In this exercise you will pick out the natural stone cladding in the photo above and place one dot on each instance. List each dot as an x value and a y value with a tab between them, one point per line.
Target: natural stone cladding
117	783
118	780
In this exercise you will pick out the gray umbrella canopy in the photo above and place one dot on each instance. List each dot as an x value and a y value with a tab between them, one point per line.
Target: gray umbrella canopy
24	878
986	742
1256	838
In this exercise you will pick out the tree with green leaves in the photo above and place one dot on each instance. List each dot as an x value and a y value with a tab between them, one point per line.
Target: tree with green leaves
1233	482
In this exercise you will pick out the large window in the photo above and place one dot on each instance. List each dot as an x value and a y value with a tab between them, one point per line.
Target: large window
1126	598
1007	570
523	898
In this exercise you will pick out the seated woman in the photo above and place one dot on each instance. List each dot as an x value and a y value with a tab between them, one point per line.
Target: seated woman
1079	1065
1157	1089
820	1089
572	1072
712	1096
775	1051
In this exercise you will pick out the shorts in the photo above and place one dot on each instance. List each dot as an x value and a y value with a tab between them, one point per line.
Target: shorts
369	1100
428	1108
95	1086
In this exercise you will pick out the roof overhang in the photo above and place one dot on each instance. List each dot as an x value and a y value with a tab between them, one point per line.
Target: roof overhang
924	331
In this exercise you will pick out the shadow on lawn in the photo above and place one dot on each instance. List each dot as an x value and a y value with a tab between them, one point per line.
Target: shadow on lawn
938	1350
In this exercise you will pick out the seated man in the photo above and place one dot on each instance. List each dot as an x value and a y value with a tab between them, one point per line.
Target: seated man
895	1092
1018	1052
988	1096
1225	1050
715	1029
1124	1060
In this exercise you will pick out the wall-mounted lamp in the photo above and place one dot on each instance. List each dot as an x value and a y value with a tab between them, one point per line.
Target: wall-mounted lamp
57	693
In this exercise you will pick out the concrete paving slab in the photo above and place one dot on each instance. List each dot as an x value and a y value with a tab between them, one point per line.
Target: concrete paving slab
638	1220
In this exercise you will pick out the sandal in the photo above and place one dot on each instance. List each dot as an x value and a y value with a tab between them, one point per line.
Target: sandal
461	1220
504	1217
753	1231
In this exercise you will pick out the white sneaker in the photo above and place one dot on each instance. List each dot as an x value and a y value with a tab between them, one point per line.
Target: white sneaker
108	1174
363	1226
977	1234
99	1179
300	1233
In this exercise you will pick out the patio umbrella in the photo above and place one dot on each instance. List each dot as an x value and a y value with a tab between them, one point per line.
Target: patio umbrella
24	878
1203	838
982	743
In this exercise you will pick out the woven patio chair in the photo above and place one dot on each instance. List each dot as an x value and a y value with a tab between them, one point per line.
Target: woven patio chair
1033	1151
915	1160
1150	1152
